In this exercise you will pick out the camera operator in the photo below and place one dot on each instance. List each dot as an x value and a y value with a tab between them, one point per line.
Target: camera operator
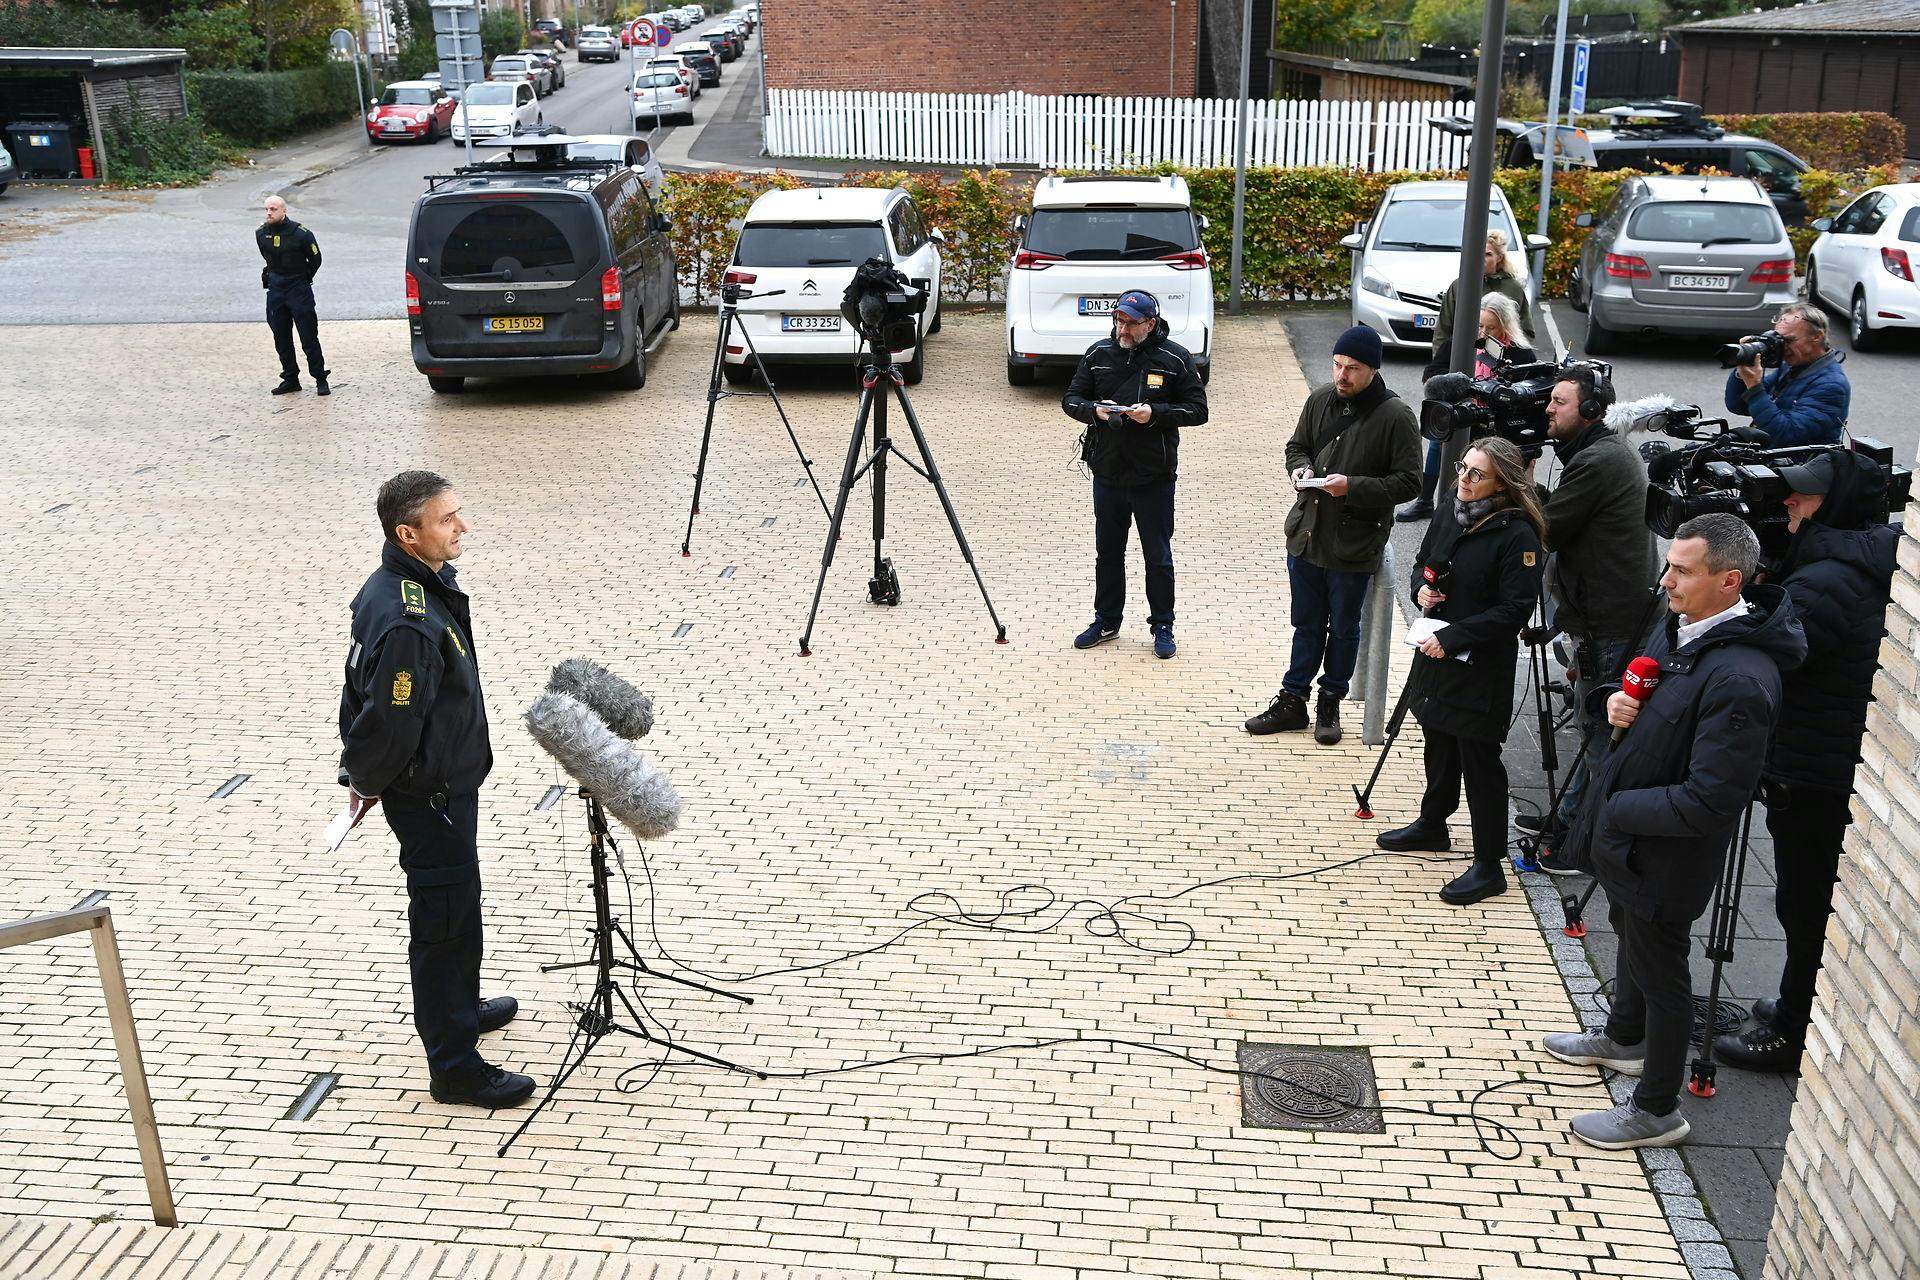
1666	804
1805	400
1837	572
1501	341
1479	573
1602	559
1354	455
1134	390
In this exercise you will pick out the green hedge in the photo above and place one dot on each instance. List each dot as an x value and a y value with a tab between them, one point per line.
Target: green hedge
262	106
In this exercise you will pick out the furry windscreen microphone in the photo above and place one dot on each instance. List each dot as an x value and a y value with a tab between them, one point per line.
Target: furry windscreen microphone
632	790
627	711
1448	388
1649	413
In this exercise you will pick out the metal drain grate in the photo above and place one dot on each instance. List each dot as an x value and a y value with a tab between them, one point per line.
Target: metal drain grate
1309	1087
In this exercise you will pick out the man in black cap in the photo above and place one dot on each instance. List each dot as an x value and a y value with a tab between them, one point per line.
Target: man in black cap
1837	573
1354	456
1134	390
292	258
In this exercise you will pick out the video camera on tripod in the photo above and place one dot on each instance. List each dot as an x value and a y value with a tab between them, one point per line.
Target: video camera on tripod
1511	402
883	306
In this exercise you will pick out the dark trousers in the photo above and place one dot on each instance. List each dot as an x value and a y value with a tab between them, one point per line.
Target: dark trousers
1148	508
1451	759
439	853
290	307
1326	625
1807	825
1653	1003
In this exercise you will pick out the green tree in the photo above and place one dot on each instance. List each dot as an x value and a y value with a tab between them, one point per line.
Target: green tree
219	38
294	32
1298	25
501	32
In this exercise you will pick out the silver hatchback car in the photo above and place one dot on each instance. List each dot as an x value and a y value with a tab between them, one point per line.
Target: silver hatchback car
1682	254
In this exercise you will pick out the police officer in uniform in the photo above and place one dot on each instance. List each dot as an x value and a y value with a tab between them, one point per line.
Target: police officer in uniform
292	256
413	728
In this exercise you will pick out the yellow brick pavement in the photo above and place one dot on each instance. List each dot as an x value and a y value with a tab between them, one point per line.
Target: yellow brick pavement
180	618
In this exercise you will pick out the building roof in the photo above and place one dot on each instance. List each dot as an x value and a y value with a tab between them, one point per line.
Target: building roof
1833	18
1385	70
86	59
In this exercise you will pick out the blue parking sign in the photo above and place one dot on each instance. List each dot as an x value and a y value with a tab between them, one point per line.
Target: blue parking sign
1577	98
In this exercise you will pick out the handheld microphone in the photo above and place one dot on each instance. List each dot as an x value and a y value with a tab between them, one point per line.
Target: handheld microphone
1638	682
627	711
1448	388
1437	576
631	789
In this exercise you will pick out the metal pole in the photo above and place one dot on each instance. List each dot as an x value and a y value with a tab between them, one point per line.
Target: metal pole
1473	233
1240	158
1546	159
1173	20
1373	716
760	38
359	96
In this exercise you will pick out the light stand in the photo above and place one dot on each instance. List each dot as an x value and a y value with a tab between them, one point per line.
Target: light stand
884	586
595	1018
730	298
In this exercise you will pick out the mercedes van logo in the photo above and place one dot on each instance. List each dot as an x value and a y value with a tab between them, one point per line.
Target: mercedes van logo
509	298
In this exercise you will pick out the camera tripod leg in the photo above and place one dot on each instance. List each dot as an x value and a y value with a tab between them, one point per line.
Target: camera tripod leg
706	433
639	1031
568	1065
932	473
839	513
1364	797
1720	936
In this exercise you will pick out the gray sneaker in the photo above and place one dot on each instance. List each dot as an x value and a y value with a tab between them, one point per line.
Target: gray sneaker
1627	1126
1593	1049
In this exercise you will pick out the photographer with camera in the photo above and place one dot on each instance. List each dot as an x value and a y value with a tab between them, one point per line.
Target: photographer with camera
1804	399
1134	390
1665	805
1502	341
1478	573
1837	572
1602	559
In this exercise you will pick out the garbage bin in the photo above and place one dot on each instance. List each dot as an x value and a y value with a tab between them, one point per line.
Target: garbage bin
43	148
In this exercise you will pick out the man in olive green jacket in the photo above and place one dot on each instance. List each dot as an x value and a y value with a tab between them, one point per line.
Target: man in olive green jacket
1353	457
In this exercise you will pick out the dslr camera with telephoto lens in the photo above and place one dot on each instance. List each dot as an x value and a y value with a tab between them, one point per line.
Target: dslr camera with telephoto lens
1768	348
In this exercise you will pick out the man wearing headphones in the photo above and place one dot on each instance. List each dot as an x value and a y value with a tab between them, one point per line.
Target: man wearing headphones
1602	560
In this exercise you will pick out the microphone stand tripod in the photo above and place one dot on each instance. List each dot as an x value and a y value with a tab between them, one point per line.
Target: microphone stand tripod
730	298
595	1017
884	586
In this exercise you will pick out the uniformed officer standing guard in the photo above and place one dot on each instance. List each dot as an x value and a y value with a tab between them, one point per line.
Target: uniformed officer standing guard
413	728
292	256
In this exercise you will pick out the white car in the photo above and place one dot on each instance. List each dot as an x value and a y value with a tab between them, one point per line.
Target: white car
660	95
597	44
1406	255
679	67
808	243
494	108
1866	262
1086	242
635	153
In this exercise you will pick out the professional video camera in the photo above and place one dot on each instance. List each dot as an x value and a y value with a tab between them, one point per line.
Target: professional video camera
883	305
1768	348
1732	469
1510	403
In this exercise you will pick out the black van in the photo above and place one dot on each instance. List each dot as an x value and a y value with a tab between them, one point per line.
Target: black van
531	267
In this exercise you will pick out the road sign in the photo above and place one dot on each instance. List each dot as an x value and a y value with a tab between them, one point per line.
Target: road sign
663	36
644	32
1577	99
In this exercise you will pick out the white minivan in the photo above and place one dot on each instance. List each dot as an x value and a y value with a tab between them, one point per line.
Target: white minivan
807	243
1086	242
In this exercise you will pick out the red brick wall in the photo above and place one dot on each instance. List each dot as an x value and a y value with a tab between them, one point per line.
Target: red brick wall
974	46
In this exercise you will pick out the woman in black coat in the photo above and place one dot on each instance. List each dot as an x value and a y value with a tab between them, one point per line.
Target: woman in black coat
1478	577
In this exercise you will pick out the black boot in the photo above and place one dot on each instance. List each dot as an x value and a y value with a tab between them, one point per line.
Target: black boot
320	387
1484	879
1421	508
1287	711
1326	719
288	385
1416	837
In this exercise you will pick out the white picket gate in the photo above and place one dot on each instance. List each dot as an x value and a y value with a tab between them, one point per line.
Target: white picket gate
1105	133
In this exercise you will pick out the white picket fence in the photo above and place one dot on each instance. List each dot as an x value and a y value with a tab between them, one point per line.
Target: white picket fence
1105	133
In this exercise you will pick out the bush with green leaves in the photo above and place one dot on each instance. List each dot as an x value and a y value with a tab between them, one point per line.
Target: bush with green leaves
178	152
263	106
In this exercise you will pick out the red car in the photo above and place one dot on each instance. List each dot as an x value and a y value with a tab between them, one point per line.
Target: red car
419	110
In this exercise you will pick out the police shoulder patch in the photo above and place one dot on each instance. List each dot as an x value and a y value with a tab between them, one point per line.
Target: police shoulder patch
413	598
402	688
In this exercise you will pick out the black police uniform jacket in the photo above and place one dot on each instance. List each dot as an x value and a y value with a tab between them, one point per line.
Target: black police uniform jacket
1667	800
290	251
1492	587
1158	372
1838	580
412	719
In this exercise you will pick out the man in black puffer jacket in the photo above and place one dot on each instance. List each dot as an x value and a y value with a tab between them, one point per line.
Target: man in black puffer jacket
1838	572
1134	390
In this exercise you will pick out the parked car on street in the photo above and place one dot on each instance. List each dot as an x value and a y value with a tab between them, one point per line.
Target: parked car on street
1406	255
808	243
680	68
1865	263
724	46
493	108
635	153
659	96
1085	242
597	44
1680	254
555	65
410	109
512	68
700	56
9	172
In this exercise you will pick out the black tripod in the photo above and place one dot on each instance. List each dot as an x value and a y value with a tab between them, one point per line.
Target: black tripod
1540	676
595	1019
730	298
884	586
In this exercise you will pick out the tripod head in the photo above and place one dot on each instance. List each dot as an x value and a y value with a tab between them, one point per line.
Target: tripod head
732	293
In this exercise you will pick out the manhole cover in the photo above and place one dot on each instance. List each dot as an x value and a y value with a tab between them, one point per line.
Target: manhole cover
1301	1087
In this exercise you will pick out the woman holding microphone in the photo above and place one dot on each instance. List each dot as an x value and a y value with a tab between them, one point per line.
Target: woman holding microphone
1477	577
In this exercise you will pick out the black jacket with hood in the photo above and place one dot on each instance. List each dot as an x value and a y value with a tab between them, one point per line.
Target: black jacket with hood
1603	553
1158	372
1492	583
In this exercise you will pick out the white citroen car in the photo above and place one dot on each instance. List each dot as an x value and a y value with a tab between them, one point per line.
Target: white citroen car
1086	242
808	243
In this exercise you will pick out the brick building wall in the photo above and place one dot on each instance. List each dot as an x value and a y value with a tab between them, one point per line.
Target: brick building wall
1848	1206
1115	47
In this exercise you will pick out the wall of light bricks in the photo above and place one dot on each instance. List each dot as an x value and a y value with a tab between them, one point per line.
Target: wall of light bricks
1849	1197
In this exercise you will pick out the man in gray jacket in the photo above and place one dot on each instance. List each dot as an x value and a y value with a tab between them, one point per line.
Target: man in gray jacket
1354	457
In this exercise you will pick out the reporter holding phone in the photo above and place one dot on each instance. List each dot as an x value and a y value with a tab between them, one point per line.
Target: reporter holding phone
1134	390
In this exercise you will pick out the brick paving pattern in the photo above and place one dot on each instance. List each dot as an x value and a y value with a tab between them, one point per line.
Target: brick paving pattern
179	554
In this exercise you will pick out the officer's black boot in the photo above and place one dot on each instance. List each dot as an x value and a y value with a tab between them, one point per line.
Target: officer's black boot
1421	508
288	385
1484	879
320	387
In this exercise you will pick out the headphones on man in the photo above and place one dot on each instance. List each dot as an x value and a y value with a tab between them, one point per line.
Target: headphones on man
1592	407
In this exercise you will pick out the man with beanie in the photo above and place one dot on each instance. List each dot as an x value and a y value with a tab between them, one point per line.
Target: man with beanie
1354	456
1134	390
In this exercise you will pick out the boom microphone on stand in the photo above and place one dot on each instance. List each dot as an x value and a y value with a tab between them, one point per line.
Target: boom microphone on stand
627	711
609	770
